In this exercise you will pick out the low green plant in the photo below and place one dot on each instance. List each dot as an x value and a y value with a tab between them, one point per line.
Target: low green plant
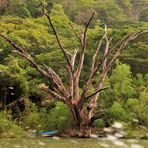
60	117
9	128
117	112
57	118
99	123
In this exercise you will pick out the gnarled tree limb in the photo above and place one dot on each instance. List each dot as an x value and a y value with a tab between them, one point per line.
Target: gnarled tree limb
81	61
53	94
65	52
49	73
105	67
83	45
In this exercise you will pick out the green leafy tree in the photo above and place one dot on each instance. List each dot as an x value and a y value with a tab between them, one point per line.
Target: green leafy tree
14	89
143	15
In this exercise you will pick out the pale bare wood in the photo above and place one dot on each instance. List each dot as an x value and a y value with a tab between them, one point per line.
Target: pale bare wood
73	58
49	73
54	94
94	66
83	45
104	71
71	76
65	52
105	67
81	61
56	79
90	79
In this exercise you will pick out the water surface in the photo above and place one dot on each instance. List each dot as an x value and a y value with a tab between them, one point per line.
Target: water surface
70	143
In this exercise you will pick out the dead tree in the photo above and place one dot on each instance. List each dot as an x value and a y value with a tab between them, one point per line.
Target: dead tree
81	105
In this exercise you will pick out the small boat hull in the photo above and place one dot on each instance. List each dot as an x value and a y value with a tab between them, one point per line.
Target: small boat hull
47	133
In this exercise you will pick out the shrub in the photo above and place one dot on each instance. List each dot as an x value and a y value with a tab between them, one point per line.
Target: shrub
22	12
57	118
33	120
9	128
99	123
117	112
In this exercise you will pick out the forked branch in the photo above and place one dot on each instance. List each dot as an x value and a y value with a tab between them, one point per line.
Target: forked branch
65	52
49	73
83	45
116	50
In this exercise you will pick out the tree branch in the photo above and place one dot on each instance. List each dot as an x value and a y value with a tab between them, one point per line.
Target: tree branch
33	64
71	78
118	47
50	74
65	52
57	81
76	34
81	62
94	67
12	43
97	91
83	44
53	94
122	44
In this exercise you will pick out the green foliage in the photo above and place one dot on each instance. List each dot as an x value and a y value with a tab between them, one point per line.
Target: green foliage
12	76
22	11
121	81
43	119
143	15
34	120
24	8
34	7
59	116
13	89
127	97
117	112
99	123
121	86
9	128
139	106
78	10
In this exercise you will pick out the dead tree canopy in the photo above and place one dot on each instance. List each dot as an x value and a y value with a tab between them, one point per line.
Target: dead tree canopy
82	112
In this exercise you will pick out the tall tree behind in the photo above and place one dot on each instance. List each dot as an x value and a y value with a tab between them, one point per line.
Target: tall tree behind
3	6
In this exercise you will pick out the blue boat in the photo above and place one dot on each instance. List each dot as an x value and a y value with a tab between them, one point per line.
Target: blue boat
46	134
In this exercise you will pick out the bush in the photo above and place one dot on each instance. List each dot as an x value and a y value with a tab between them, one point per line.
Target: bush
34	120
143	16
22	12
60	117
99	123
57	118
139	108
117	112
9	128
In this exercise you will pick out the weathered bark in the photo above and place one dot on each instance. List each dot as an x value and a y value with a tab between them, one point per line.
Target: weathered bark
82	106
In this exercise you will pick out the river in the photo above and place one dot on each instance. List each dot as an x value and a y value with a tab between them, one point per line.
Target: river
56	142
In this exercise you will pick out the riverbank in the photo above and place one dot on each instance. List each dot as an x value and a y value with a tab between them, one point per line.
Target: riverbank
110	132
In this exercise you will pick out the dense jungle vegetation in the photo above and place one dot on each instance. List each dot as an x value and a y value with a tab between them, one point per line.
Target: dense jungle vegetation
24	106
